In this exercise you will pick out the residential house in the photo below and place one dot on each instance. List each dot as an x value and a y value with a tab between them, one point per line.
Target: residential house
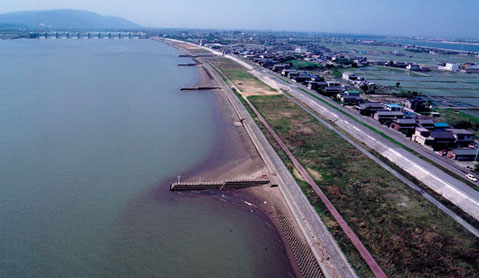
280	67
333	84
350	100
425	123
393	107
369	108
441	125
450	67
293	74
302	77
462	154
406	126
351	93
332	90
348	76
385	117
433	139
418	104
285	72
413	67
317	85
463	137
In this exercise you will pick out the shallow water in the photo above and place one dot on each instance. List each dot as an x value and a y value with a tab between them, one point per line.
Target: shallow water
91	130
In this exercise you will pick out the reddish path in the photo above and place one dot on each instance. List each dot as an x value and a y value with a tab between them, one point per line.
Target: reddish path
375	268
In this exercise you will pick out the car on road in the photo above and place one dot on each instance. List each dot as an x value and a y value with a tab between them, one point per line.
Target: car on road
471	177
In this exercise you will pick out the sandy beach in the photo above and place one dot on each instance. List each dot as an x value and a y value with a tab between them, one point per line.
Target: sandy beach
235	158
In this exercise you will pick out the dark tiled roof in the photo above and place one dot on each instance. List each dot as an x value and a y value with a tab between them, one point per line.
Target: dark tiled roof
464	151
405	121
442	134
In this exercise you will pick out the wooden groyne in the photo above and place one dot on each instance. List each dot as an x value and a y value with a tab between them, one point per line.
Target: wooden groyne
200	88
222	185
197	56
189	65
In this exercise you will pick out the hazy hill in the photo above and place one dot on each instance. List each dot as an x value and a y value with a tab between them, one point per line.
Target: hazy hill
64	19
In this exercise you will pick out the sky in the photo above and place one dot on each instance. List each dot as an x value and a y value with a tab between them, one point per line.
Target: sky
429	18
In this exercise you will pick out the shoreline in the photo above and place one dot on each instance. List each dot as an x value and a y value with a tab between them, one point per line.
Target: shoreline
235	157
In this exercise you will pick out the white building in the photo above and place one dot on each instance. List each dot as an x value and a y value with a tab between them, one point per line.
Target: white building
347	76
450	67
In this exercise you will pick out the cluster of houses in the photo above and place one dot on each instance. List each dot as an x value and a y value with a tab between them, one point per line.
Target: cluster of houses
356	80
457	144
402	65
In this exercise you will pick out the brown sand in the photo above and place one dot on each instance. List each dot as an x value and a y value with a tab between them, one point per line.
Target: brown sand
240	159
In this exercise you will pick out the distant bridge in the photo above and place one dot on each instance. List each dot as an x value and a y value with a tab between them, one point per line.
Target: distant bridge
76	35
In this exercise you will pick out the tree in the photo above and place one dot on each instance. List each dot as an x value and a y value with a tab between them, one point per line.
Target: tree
398	84
463	124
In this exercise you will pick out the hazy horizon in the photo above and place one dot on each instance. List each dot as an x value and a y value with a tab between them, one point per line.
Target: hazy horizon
406	18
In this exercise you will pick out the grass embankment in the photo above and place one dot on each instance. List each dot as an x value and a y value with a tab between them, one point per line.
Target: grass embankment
407	235
239	75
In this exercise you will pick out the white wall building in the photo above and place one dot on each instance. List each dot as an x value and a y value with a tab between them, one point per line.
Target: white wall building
450	67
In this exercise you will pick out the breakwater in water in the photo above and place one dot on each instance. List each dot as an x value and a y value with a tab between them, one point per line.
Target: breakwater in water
223	185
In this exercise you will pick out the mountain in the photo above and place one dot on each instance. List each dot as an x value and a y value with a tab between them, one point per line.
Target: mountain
64	19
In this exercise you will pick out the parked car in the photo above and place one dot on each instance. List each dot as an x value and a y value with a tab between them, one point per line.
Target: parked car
471	177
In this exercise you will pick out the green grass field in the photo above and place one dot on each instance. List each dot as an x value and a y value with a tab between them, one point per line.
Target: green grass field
303	65
239	75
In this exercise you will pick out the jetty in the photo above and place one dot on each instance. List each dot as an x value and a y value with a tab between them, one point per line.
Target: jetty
197	56
200	88
189	64
221	185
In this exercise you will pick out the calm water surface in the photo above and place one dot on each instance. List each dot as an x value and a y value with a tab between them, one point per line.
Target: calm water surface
89	132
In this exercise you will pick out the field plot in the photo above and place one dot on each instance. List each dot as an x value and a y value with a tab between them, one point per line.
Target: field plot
387	53
462	87
247	83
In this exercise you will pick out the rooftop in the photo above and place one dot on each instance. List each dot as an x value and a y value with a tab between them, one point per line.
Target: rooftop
441	125
460	131
464	151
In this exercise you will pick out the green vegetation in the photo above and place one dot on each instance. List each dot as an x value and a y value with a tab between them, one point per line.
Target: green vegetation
459	119
240	77
407	235
303	65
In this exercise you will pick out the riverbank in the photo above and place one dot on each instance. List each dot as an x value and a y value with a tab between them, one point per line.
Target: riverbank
236	157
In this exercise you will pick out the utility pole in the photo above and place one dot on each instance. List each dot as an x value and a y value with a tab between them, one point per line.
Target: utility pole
475	159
